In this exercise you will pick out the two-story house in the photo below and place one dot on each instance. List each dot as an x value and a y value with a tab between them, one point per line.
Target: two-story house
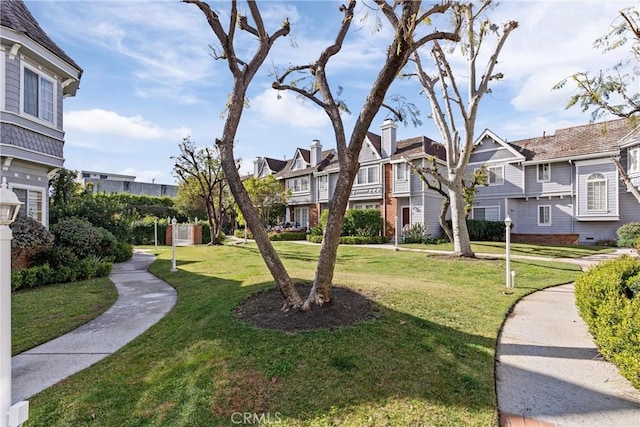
35	76
561	188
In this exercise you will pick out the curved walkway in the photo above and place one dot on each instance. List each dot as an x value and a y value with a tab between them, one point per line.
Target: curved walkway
143	300
549	372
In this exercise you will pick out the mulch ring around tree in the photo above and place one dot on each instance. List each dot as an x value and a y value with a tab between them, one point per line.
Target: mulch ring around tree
263	310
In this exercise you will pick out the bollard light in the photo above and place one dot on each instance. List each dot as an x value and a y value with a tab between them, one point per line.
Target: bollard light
9	204
507	236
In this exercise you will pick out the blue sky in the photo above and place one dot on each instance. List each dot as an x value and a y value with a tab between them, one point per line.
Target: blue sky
149	79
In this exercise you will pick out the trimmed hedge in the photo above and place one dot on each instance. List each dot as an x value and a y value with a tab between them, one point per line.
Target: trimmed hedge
275	236
353	240
608	299
485	231
628	234
42	275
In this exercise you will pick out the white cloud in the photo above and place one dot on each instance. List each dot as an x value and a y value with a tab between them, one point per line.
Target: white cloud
98	121
288	110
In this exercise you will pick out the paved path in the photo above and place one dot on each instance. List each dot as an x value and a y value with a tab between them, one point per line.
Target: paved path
143	300
549	372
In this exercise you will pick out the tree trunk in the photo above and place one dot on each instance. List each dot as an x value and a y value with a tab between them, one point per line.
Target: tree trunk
461	241
444	208
292	299
321	291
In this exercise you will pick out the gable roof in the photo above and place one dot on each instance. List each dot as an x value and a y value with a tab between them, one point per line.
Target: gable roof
15	15
326	158
274	165
591	139
376	142
418	147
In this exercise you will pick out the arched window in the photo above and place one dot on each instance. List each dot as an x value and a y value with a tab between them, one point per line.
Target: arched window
596	192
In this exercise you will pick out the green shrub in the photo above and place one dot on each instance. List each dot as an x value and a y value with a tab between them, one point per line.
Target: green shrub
239	233
104	269
607	299
108	242
56	257
122	252
287	236
628	234
314	239
417	233
485	231
78	235
359	240
29	233
362	222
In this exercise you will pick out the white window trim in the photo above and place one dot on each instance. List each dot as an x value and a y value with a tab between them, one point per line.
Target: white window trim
397	168
292	188
45	200
606	192
539	178
3	93
357	184
323	181
485	207
54	82
544	224
629	164
489	175
366	205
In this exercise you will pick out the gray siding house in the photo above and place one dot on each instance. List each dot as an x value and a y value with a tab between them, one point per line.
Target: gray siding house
108	183
35	76
561	188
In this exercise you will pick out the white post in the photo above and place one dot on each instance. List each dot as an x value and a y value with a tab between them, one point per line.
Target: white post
5	323
155	233
507	236
10	416
174	234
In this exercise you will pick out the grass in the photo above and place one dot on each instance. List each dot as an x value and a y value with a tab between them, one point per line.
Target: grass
568	251
428	359
41	314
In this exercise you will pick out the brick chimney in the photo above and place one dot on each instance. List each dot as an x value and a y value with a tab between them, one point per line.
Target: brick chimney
315	155
388	128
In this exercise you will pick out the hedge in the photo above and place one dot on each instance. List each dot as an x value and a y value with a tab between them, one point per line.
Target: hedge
628	234
353	240
279	236
485	231
42	275
608	299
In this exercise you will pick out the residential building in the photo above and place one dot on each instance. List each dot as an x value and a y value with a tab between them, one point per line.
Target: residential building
35	76
562	188
104	182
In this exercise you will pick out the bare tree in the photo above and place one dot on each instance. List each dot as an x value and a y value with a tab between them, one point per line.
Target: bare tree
243	72
454	107
200	166
320	92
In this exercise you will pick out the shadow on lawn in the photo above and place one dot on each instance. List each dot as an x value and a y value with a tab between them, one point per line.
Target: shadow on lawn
199	366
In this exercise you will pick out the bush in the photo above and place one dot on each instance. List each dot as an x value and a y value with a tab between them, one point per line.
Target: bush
239	233
122	252
628	234
607	299
108	242
417	233
42	275
56	257
287	236
314	239
29	233
78	235
362	222
485	231
361	240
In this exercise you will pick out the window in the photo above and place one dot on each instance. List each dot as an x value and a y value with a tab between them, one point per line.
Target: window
369	205
38	95
32	200
323	182
544	172
634	160
401	171
596	192
495	175
544	215
301	216
491	213
368	175
298	185
299	163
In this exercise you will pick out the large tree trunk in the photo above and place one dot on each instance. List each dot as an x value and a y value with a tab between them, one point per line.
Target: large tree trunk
461	241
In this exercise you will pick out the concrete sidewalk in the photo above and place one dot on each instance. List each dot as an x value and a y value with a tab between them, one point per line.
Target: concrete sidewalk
143	300
549	372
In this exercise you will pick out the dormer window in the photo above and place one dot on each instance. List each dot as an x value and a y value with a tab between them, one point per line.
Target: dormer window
299	163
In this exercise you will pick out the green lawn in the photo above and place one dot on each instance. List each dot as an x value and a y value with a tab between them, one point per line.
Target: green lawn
520	249
427	360
41	314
